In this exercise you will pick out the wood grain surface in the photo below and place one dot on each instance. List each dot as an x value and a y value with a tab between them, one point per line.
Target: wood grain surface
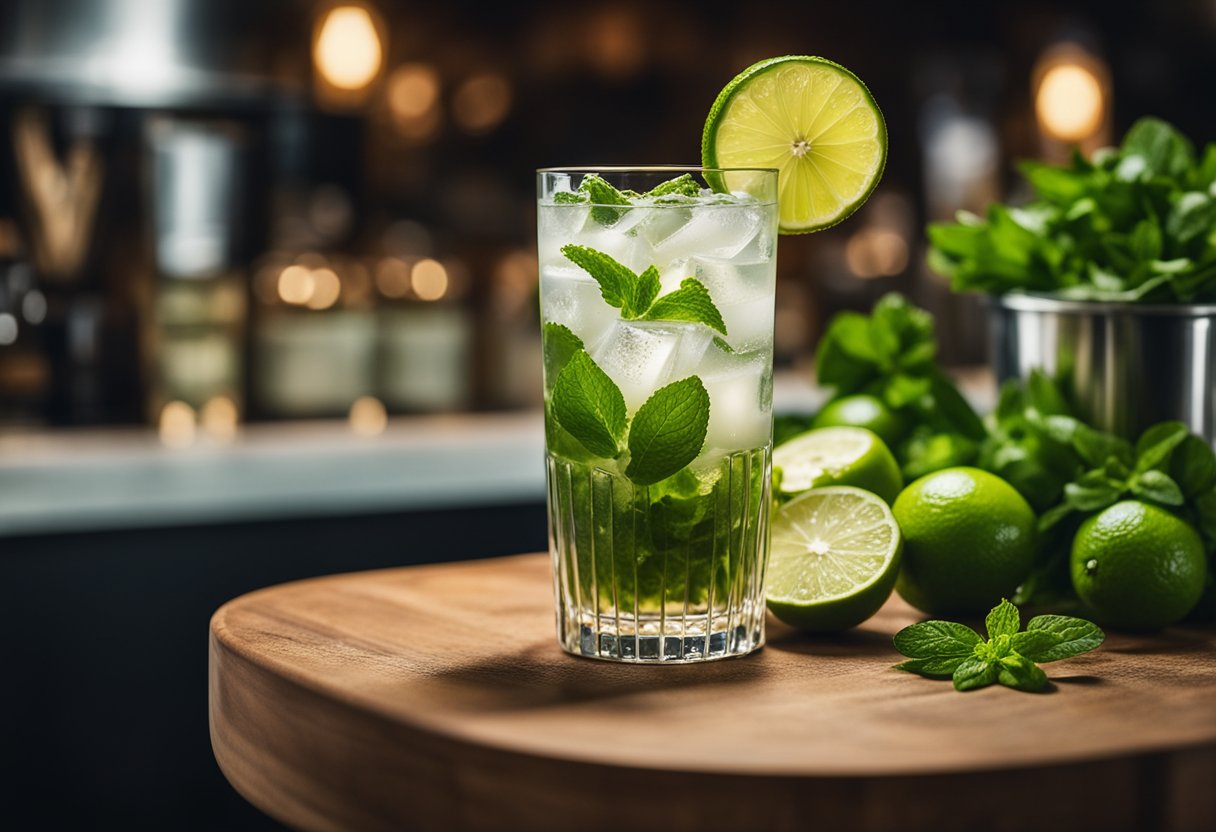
436	697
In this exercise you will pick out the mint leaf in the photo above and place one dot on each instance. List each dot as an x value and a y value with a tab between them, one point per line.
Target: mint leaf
570	198
558	344
589	406
846	358
1095	447
935	666
1165	151
616	280
1034	643
668	431
1074	637
691	302
646	290
725	347
602	194
1193	466
1093	491
933	639
1157	443
1158	487
684	185
975	673
1021	673
1003	620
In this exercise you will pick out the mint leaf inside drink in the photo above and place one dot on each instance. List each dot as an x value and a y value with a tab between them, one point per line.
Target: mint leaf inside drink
590	406
558	344
682	185
668	431
602	195
691	302
617	282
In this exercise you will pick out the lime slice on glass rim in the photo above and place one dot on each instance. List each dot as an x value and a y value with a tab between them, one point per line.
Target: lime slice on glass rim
812	120
834	559
837	456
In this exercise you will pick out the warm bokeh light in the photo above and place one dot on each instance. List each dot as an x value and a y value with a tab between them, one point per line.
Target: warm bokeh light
876	252
482	102
393	277
429	279
296	284
368	416
327	288
515	278
347	52
218	417
616	42
413	90
1069	102
177	425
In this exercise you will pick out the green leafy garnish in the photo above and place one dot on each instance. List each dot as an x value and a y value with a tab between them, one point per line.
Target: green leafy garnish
1008	656
1133	224
590	406
668	431
602	195
559	344
636	295
682	185
691	302
571	198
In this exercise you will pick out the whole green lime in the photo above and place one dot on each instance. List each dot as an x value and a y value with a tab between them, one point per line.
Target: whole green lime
1137	566
969	540
863	411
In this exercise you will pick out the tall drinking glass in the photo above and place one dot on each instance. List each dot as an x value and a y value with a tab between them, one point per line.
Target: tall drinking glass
656	298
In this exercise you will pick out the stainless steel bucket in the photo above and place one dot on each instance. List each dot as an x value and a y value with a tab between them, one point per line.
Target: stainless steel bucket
1126	365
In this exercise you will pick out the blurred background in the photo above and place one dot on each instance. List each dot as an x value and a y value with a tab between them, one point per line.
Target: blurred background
268	292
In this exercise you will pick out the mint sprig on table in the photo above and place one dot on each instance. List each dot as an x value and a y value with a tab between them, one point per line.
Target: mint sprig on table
636	295
1131	225
1009	655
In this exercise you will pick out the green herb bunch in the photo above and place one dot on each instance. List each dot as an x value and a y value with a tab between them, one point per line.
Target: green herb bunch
1135	223
891	354
1010	655
1069	471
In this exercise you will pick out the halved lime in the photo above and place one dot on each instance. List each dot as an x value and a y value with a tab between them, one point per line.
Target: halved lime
837	456
834	559
811	119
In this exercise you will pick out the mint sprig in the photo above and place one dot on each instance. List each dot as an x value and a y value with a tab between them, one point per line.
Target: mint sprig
667	432
636	295
589	406
602	195
1009	656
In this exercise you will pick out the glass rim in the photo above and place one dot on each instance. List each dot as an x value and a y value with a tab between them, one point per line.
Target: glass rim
652	169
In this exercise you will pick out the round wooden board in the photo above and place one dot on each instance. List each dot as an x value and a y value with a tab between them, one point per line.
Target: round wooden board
436	697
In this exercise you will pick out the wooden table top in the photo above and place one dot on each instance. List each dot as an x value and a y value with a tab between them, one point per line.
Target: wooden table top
437	697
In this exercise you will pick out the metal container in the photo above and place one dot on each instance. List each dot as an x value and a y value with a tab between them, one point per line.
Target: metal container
1127	366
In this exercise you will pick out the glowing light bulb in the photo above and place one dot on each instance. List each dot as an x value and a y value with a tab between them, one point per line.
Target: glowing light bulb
1070	102
347	51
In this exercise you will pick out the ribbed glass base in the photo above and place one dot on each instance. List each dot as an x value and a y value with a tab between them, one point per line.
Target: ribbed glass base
671	572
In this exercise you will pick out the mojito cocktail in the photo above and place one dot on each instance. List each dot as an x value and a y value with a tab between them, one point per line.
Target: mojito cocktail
656	296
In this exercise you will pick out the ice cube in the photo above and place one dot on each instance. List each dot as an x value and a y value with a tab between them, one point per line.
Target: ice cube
568	296
558	225
740	400
744	294
629	249
640	357
713	230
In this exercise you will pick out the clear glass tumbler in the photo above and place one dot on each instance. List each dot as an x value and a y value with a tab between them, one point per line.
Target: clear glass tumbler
656	297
